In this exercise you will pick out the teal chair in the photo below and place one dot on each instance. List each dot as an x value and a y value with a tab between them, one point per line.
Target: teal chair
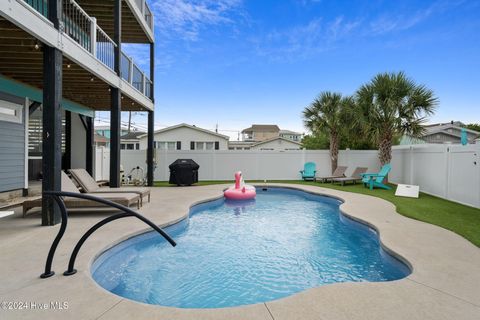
375	180
309	171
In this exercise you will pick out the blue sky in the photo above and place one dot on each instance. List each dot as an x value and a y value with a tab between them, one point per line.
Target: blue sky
235	62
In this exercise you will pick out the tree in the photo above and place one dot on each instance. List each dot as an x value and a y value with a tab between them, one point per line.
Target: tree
315	142
390	105
327	115
473	126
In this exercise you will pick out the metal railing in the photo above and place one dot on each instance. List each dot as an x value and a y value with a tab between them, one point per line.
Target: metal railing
40	5
125	212
83	29
146	12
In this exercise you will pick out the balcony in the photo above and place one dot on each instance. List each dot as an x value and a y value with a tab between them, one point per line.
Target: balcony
84	30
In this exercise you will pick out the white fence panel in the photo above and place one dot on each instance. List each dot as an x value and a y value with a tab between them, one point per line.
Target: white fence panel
447	171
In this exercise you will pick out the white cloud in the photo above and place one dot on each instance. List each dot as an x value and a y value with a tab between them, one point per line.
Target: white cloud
186	18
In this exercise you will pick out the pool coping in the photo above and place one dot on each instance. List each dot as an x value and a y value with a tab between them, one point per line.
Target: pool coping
459	297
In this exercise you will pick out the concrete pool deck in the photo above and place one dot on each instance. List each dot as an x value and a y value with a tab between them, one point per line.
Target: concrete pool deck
444	283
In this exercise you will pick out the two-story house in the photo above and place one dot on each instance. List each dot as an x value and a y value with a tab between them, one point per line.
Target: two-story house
60	61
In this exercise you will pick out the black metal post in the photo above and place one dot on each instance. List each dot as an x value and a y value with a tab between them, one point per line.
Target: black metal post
90	146
150	150
67	157
52	120
116	101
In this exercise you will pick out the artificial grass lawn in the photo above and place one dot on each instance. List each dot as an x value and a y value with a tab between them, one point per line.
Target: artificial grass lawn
461	219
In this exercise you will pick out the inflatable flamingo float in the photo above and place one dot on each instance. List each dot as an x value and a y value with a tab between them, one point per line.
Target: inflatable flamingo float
240	191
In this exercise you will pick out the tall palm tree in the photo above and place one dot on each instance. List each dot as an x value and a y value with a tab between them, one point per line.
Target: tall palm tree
390	105
327	115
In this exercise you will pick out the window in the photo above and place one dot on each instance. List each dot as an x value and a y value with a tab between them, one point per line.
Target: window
171	145
11	112
137	146
204	145
130	146
199	145
122	146
179	145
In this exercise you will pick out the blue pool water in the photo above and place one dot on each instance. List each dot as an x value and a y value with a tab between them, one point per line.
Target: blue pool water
231	254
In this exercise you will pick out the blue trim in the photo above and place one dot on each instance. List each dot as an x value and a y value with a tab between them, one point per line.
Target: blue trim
22	90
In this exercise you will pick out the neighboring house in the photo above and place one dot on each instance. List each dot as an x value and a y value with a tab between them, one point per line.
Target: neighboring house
186	137
240	145
260	132
407	140
101	141
131	141
277	143
291	135
448	133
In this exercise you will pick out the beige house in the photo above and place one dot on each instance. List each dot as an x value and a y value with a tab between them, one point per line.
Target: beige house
277	143
260	132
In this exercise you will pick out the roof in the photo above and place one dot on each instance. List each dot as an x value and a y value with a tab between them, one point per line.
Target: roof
290	132
262	128
107	127
276	138
133	135
190	127
99	138
437	127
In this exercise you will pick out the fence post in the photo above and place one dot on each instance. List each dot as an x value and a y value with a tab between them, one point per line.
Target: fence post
447	171
412	163
93	36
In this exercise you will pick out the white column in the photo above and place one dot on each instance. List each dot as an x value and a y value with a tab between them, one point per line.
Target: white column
93	36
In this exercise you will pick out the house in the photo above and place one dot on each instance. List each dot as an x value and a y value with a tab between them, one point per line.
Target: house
61	62
277	143
448	133
260	132
186	137
291	135
131	141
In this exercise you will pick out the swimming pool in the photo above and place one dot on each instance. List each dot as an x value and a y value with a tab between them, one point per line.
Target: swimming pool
238	253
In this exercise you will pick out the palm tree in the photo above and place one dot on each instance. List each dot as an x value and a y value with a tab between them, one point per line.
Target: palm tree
327	115
390	105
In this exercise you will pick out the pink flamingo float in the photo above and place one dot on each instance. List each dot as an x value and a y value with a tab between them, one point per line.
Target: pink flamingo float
240	191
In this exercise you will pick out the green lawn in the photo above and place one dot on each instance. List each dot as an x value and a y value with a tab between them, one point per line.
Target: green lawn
458	218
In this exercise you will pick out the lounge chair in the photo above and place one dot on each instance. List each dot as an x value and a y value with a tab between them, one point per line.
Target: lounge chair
309	171
356	176
88	184
338	173
126	199
375	180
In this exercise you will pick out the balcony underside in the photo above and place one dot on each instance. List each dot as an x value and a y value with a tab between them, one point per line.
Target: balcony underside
21	61
132	31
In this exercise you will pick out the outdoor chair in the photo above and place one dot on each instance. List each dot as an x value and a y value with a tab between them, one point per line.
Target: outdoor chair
309	171
338	173
126	199
375	180
89	185
354	177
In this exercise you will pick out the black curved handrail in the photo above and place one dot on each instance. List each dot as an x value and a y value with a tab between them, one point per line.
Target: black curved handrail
127	212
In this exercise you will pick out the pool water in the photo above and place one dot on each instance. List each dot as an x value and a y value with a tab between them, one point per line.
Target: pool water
238	253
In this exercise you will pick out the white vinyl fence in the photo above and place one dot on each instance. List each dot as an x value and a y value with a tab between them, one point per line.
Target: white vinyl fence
448	171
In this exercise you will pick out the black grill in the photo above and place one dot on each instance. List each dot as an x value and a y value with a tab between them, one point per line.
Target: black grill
183	172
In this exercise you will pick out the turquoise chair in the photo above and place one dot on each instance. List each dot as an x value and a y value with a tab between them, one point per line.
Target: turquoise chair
375	180
309	171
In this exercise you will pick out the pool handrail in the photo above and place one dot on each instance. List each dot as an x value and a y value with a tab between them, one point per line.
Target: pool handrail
126	212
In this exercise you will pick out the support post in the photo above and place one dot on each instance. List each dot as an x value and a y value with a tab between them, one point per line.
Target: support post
116	100
52	121
150	150
151	122
93	36
90	148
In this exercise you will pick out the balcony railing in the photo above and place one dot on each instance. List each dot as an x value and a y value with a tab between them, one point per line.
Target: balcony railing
83	29
146	12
